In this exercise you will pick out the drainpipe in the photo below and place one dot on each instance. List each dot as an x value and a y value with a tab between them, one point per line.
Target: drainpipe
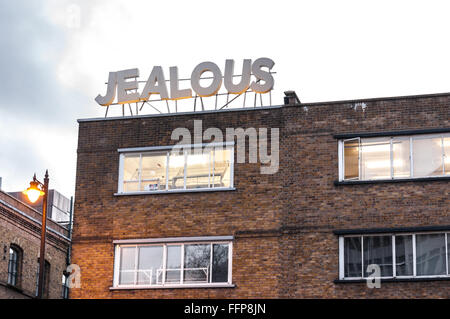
70	231
69	228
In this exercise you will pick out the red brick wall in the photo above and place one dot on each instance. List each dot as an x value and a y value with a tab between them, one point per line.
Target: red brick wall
15	229
283	223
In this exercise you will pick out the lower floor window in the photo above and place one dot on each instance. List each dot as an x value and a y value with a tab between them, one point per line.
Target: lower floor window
65	286
397	255
173	264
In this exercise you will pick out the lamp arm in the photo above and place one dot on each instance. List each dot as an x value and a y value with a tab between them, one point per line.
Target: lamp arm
38	181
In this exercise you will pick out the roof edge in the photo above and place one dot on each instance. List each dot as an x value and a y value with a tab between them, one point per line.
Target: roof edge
98	119
374	99
320	103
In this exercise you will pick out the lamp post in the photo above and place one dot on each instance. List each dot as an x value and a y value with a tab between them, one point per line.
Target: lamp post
33	192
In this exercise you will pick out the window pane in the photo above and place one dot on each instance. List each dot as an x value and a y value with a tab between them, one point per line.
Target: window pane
153	173
378	251
13	255
222	167
447	155
427	156
196	263
150	260
176	170
126	278
127	265
220	263
376	158
401	154
131	186
12	267
430	250
351	159
198	169
45	285
352	257
404	255
131	167
173	267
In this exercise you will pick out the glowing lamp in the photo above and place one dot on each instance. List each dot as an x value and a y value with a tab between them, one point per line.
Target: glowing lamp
33	192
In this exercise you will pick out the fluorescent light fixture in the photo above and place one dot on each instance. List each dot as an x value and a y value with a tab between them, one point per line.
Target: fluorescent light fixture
193	159
377	148
384	164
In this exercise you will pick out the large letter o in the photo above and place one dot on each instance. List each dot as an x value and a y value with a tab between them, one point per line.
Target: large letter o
216	83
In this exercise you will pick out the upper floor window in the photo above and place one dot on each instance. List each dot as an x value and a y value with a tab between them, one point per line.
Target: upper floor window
381	158
166	169
173	264
397	255
14	265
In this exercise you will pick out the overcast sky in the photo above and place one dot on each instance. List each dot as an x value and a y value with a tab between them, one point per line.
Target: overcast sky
55	57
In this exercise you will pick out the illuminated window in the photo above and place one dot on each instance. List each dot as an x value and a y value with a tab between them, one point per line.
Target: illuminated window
400	155
181	169
351	158
427	155
447	155
382	158
397	255
173	264
376	158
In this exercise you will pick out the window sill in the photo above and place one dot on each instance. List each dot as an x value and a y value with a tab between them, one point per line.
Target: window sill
174	286
415	279
399	180
178	191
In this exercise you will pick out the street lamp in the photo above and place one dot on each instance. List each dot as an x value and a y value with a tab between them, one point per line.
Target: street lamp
33	192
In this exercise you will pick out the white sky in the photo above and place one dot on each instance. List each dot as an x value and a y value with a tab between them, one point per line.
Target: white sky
324	50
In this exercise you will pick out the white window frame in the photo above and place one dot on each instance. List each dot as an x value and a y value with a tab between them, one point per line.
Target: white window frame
167	149
181	284
394	272
341	156
342	159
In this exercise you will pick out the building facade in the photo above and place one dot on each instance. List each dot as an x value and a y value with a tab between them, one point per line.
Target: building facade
20	238
359	183
58	206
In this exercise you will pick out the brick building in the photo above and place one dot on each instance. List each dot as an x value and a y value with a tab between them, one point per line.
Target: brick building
20	238
359	182
58	206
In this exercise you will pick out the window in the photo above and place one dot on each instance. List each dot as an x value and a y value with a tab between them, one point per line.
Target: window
382	158
173	264
65	286
431	255
397	255
447	155
181	169
375	158
351	155
14	265
428	156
